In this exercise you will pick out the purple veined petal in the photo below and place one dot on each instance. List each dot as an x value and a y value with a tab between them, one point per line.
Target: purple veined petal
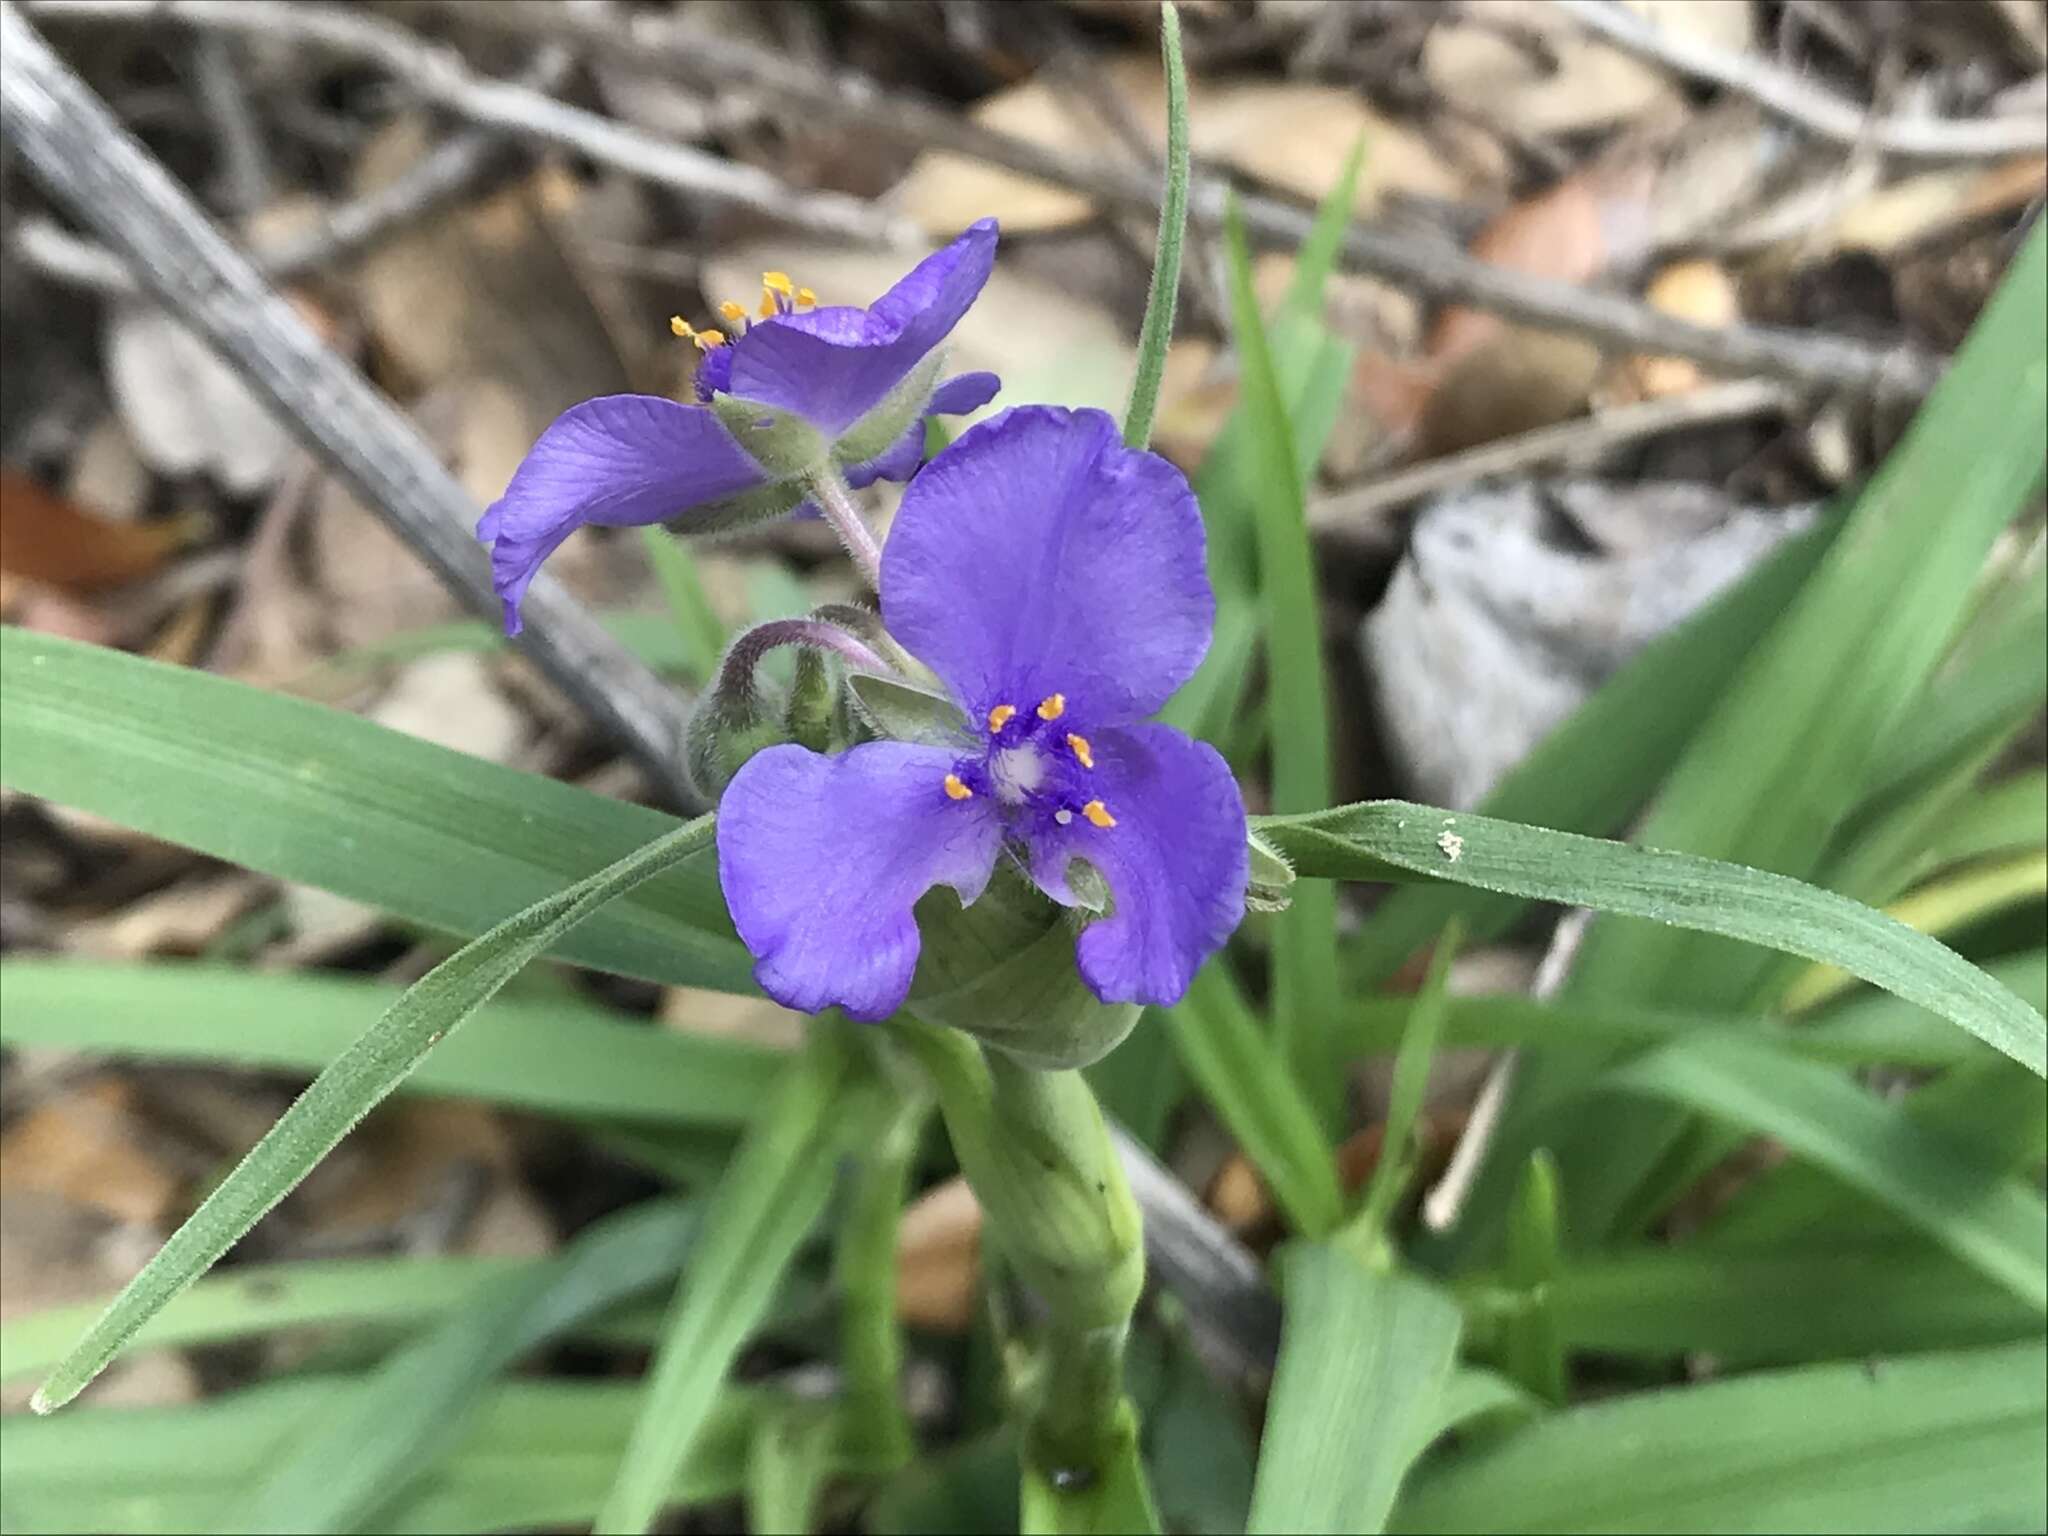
1038	555
1175	862
822	859
615	460
956	397
832	366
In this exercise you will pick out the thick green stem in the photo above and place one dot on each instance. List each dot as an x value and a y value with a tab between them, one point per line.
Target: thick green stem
1059	1211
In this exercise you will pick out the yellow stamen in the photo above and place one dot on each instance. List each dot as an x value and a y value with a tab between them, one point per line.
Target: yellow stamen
1098	813
805	299
1001	716
1083	753
768	306
955	790
778	282
734	313
680	327
706	340
1053	707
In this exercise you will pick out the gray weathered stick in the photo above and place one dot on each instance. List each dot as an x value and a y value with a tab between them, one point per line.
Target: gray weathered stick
76	148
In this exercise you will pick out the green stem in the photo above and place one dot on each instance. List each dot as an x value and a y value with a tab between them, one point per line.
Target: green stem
1058	1209
1156	333
870	1339
835	500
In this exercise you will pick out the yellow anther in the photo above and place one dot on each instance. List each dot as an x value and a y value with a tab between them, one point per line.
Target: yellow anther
778	282
1083	753
680	327
1001	716
769	308
706	340
805	299
1052	707
734	313
1098	814
955	790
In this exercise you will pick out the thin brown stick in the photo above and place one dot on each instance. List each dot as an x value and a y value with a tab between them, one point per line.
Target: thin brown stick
1814	359
440	76
1351	514
1812	107
459	168
74	146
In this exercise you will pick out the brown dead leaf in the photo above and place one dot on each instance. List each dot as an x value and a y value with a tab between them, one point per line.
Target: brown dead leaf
1292	135
938	1259
1700	291
181	919
723	1015
55	541
189	412
484	291
1928	206
80	1146
1527	66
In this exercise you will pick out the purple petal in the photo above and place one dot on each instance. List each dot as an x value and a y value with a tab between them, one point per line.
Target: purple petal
1175	862
963	393
615	460
1038	555
832	366
822	859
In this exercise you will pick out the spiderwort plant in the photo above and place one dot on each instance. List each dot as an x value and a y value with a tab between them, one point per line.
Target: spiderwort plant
1055	583
795	403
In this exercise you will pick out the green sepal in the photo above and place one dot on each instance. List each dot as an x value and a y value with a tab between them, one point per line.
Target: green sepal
900	712
782	443
812	716
1003	971
1272	877
876	433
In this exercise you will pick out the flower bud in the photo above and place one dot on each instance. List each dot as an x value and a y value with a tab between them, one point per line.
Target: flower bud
729	725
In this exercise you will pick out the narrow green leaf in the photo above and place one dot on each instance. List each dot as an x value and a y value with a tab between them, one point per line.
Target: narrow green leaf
349	1089
1362	842
794	1452
1983	1216
317	796
770	1196
252	1299
1532	1350
1317	258
1365	1357
366	1450
698	626
1155	334
1396	1164
1782	1304
1949	1442
1239	1073
1308	994
560	1056
1117	1501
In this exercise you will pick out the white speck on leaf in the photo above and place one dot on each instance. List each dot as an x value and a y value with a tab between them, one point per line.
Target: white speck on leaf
1452	845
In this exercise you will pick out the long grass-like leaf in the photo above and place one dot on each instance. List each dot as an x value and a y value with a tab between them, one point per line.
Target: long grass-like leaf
1365	1356
1155	334
349	1089
1365	842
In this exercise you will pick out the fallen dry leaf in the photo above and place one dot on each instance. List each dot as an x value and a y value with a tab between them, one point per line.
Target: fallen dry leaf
55	541
187	411
1294	135
79	1145
1525	65
1698	290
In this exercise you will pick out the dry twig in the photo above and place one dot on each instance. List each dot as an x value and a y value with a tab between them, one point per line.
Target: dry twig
77	149
1351	513
1797	100
440	75
464	165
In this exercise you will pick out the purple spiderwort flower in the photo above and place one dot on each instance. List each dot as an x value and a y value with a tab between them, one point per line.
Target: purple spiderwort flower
1056	583
862	380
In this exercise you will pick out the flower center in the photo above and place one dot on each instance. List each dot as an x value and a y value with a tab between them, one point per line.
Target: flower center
1034	770
779	297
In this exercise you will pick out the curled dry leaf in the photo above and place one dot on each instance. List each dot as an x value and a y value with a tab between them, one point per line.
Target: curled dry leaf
1294	136
188	412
